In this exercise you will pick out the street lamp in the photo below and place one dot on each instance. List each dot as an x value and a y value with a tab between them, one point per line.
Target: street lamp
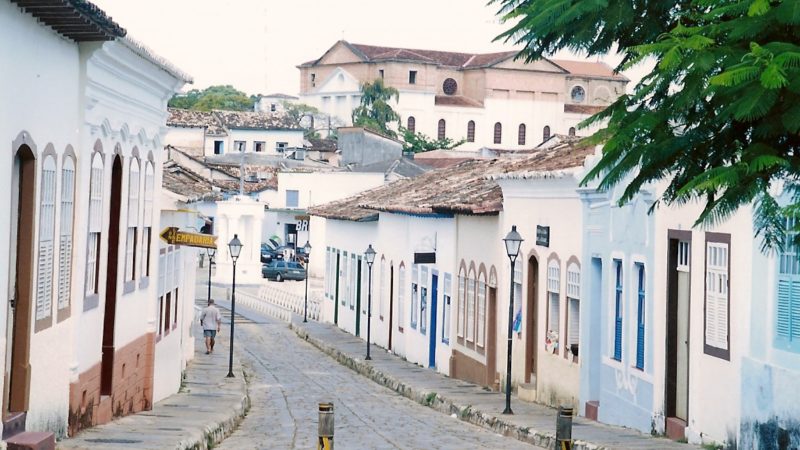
307	249
235	247
513	241
369	255
211	252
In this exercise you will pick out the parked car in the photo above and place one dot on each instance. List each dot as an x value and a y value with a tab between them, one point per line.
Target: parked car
270	252
280	270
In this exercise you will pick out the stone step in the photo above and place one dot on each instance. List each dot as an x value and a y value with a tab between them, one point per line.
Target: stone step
32	440
14	424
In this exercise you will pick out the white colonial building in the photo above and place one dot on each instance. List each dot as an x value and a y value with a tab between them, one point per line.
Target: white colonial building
491	100
81	236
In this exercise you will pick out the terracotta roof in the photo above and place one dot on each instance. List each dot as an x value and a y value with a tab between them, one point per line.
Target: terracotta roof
589	69
465	61
583	109
249	120
439	159
456	100
322	145
183	181
467	188
217	122
189	118
78	20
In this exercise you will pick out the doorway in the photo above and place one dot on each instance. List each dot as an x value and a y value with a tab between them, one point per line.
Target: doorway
21	297
432	330
357	287
391	302
336	294
678	303
531	321
110	310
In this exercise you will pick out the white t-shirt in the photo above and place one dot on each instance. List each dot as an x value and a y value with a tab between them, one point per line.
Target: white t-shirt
210	318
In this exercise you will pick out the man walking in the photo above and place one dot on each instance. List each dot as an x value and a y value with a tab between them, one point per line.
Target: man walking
210	320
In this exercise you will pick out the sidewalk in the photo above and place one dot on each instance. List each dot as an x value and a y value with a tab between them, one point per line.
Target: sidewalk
531	423
208	408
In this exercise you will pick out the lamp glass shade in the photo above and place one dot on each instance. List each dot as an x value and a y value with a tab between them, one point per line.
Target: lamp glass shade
513	241
370	255
235	246
307	248
211	252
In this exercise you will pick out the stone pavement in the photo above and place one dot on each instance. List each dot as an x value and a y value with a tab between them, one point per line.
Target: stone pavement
208	408
531	423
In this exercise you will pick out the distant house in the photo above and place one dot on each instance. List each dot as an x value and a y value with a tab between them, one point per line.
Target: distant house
274	103
223	132
487	99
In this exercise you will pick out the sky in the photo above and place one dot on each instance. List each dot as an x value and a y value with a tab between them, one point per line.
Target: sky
255	45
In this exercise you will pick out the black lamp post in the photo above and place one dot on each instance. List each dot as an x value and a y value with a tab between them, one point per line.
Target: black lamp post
307	249
235	247
211	252
369	255
513	241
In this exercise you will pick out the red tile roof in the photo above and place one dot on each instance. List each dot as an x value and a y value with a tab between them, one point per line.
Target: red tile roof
456	100
467	188
465	61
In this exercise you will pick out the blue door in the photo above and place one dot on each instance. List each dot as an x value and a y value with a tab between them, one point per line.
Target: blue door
432	333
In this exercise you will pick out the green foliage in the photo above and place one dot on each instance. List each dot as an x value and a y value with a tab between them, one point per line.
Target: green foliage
375	112
418	142
718	116
214	97
298	111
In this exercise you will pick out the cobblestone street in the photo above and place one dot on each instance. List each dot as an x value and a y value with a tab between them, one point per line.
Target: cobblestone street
290	377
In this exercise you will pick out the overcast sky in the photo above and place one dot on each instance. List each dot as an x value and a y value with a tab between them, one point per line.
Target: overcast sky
256	44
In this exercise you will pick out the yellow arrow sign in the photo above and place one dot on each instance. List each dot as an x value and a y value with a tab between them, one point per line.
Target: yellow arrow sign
173	236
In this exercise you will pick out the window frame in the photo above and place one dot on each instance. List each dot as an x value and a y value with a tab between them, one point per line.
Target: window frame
471	300
709	348
296	203
617	336
471	131
46	241
411	124
414	295
522	131
446	301
412	77
461	304
573	296
787	270
546	133
66	236
401	279
641	311
94	228
441	129
131	235
480	311
498	133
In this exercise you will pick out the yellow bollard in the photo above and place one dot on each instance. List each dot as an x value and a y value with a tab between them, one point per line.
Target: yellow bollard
325	428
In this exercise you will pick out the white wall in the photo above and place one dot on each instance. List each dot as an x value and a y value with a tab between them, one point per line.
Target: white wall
294	138
186	137
318	188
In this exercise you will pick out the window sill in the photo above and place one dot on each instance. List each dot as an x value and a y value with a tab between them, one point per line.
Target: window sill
90	302
63	313
717	352
144	283
128	287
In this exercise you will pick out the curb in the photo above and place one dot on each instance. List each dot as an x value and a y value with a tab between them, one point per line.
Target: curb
213	434
439	403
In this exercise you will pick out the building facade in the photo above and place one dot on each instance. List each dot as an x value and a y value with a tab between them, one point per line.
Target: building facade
486	99
81	182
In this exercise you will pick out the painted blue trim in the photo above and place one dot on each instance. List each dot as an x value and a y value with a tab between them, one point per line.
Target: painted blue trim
640	319
618	311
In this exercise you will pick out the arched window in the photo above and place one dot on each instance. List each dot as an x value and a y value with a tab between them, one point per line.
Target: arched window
411	124
471	131
462	287
573	311
147	225
498	133
133	220
521	134
95	225
553	303
47	217
401	295
384	288
480	337
441	133
65	234
471	306
572	131
546	133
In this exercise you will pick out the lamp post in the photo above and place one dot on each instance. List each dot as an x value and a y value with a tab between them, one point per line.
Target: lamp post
307	249
211	252
513	241
369	255
235	247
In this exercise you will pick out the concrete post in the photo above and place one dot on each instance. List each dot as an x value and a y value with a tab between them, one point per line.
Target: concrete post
325	427
564	428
